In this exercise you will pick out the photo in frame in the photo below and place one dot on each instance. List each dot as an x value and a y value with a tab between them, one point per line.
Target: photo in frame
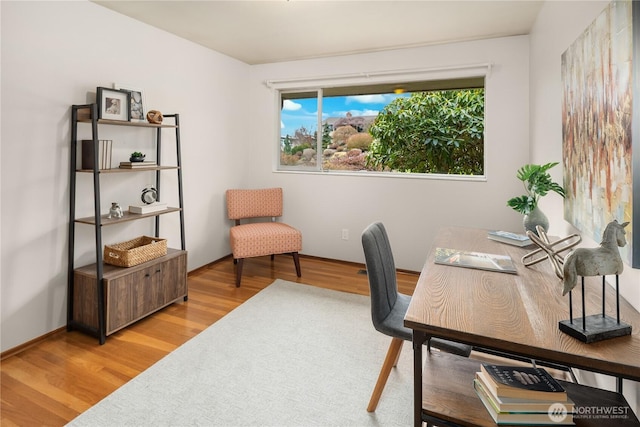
113	104
137	110
600	126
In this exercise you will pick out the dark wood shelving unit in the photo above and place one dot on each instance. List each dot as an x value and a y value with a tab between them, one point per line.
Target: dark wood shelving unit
103	298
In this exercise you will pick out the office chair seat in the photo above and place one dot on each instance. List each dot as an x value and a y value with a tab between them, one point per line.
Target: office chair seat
393	325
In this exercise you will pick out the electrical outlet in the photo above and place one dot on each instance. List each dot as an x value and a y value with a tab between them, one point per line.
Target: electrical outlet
345	234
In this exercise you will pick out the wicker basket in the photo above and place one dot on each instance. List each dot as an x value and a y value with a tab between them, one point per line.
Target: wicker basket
134	252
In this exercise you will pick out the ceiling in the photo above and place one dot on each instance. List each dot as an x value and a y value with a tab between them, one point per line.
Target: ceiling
259	32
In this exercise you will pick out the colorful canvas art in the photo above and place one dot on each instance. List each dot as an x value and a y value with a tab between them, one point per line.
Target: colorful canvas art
598	129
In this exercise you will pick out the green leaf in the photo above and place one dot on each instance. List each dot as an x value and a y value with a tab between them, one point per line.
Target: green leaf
522	204
538	183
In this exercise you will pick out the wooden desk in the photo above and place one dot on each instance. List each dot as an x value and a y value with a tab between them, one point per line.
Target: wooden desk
517	314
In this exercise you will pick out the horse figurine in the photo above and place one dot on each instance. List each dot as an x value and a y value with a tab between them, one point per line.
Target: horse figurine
600	261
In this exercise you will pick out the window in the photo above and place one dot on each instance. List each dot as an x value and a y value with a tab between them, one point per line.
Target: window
299	118
419	127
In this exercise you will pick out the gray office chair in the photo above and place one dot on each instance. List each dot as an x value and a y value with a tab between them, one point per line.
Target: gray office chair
388	306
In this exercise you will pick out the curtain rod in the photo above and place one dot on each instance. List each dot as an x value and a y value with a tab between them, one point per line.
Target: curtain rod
271	83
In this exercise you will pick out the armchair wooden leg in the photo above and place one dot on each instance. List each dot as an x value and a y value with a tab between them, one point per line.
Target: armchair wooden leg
239	271
389	362
296	261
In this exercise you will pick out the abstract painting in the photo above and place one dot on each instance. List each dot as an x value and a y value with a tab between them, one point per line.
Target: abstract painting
600	130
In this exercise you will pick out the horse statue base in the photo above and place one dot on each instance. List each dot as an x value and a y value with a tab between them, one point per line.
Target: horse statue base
596	327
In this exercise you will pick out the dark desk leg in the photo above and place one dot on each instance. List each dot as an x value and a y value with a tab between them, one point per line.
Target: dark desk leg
418	340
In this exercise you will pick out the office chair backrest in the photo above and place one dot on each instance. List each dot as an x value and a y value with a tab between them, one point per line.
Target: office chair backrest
381	271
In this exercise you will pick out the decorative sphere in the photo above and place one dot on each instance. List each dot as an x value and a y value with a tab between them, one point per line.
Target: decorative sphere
154	116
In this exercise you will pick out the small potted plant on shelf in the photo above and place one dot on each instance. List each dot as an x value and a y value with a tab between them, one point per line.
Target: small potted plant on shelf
537	183
137	156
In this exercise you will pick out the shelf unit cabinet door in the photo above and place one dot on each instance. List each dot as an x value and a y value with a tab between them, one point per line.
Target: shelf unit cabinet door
131	297
174	279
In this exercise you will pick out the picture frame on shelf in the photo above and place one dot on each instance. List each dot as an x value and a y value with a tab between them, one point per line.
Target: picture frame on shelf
113	104
137	107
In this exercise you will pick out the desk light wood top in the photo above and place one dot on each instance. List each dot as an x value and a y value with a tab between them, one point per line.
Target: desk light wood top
519	313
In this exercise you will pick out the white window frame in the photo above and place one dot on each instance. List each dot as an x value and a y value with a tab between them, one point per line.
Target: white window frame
316	84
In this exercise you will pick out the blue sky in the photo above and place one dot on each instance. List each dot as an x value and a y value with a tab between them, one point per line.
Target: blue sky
304	112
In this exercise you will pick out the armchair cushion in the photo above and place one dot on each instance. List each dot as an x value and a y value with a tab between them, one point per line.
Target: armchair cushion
264	238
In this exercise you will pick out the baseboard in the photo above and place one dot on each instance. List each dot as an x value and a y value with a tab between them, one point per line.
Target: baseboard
333	260
22	347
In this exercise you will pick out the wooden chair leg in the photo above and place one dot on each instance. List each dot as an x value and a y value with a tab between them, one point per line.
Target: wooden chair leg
395	363
239	271
296	261
389	362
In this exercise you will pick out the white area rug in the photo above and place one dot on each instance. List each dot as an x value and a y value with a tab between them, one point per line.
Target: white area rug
293	355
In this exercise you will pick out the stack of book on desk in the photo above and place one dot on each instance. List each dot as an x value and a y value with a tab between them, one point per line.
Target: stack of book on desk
523	395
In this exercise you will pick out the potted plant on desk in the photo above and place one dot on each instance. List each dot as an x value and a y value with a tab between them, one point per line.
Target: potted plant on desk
537	183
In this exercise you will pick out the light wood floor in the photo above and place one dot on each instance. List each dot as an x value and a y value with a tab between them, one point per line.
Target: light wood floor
58	378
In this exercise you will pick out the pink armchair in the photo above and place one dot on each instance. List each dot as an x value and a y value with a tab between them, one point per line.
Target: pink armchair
255	239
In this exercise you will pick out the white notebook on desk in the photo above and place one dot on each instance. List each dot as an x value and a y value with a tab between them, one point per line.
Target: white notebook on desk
477	260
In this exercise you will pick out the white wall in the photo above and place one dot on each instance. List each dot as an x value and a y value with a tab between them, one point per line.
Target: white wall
558	25
55	54
321	205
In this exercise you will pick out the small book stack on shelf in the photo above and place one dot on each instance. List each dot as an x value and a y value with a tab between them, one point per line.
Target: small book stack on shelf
134	165
523	395
144	209
520	240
